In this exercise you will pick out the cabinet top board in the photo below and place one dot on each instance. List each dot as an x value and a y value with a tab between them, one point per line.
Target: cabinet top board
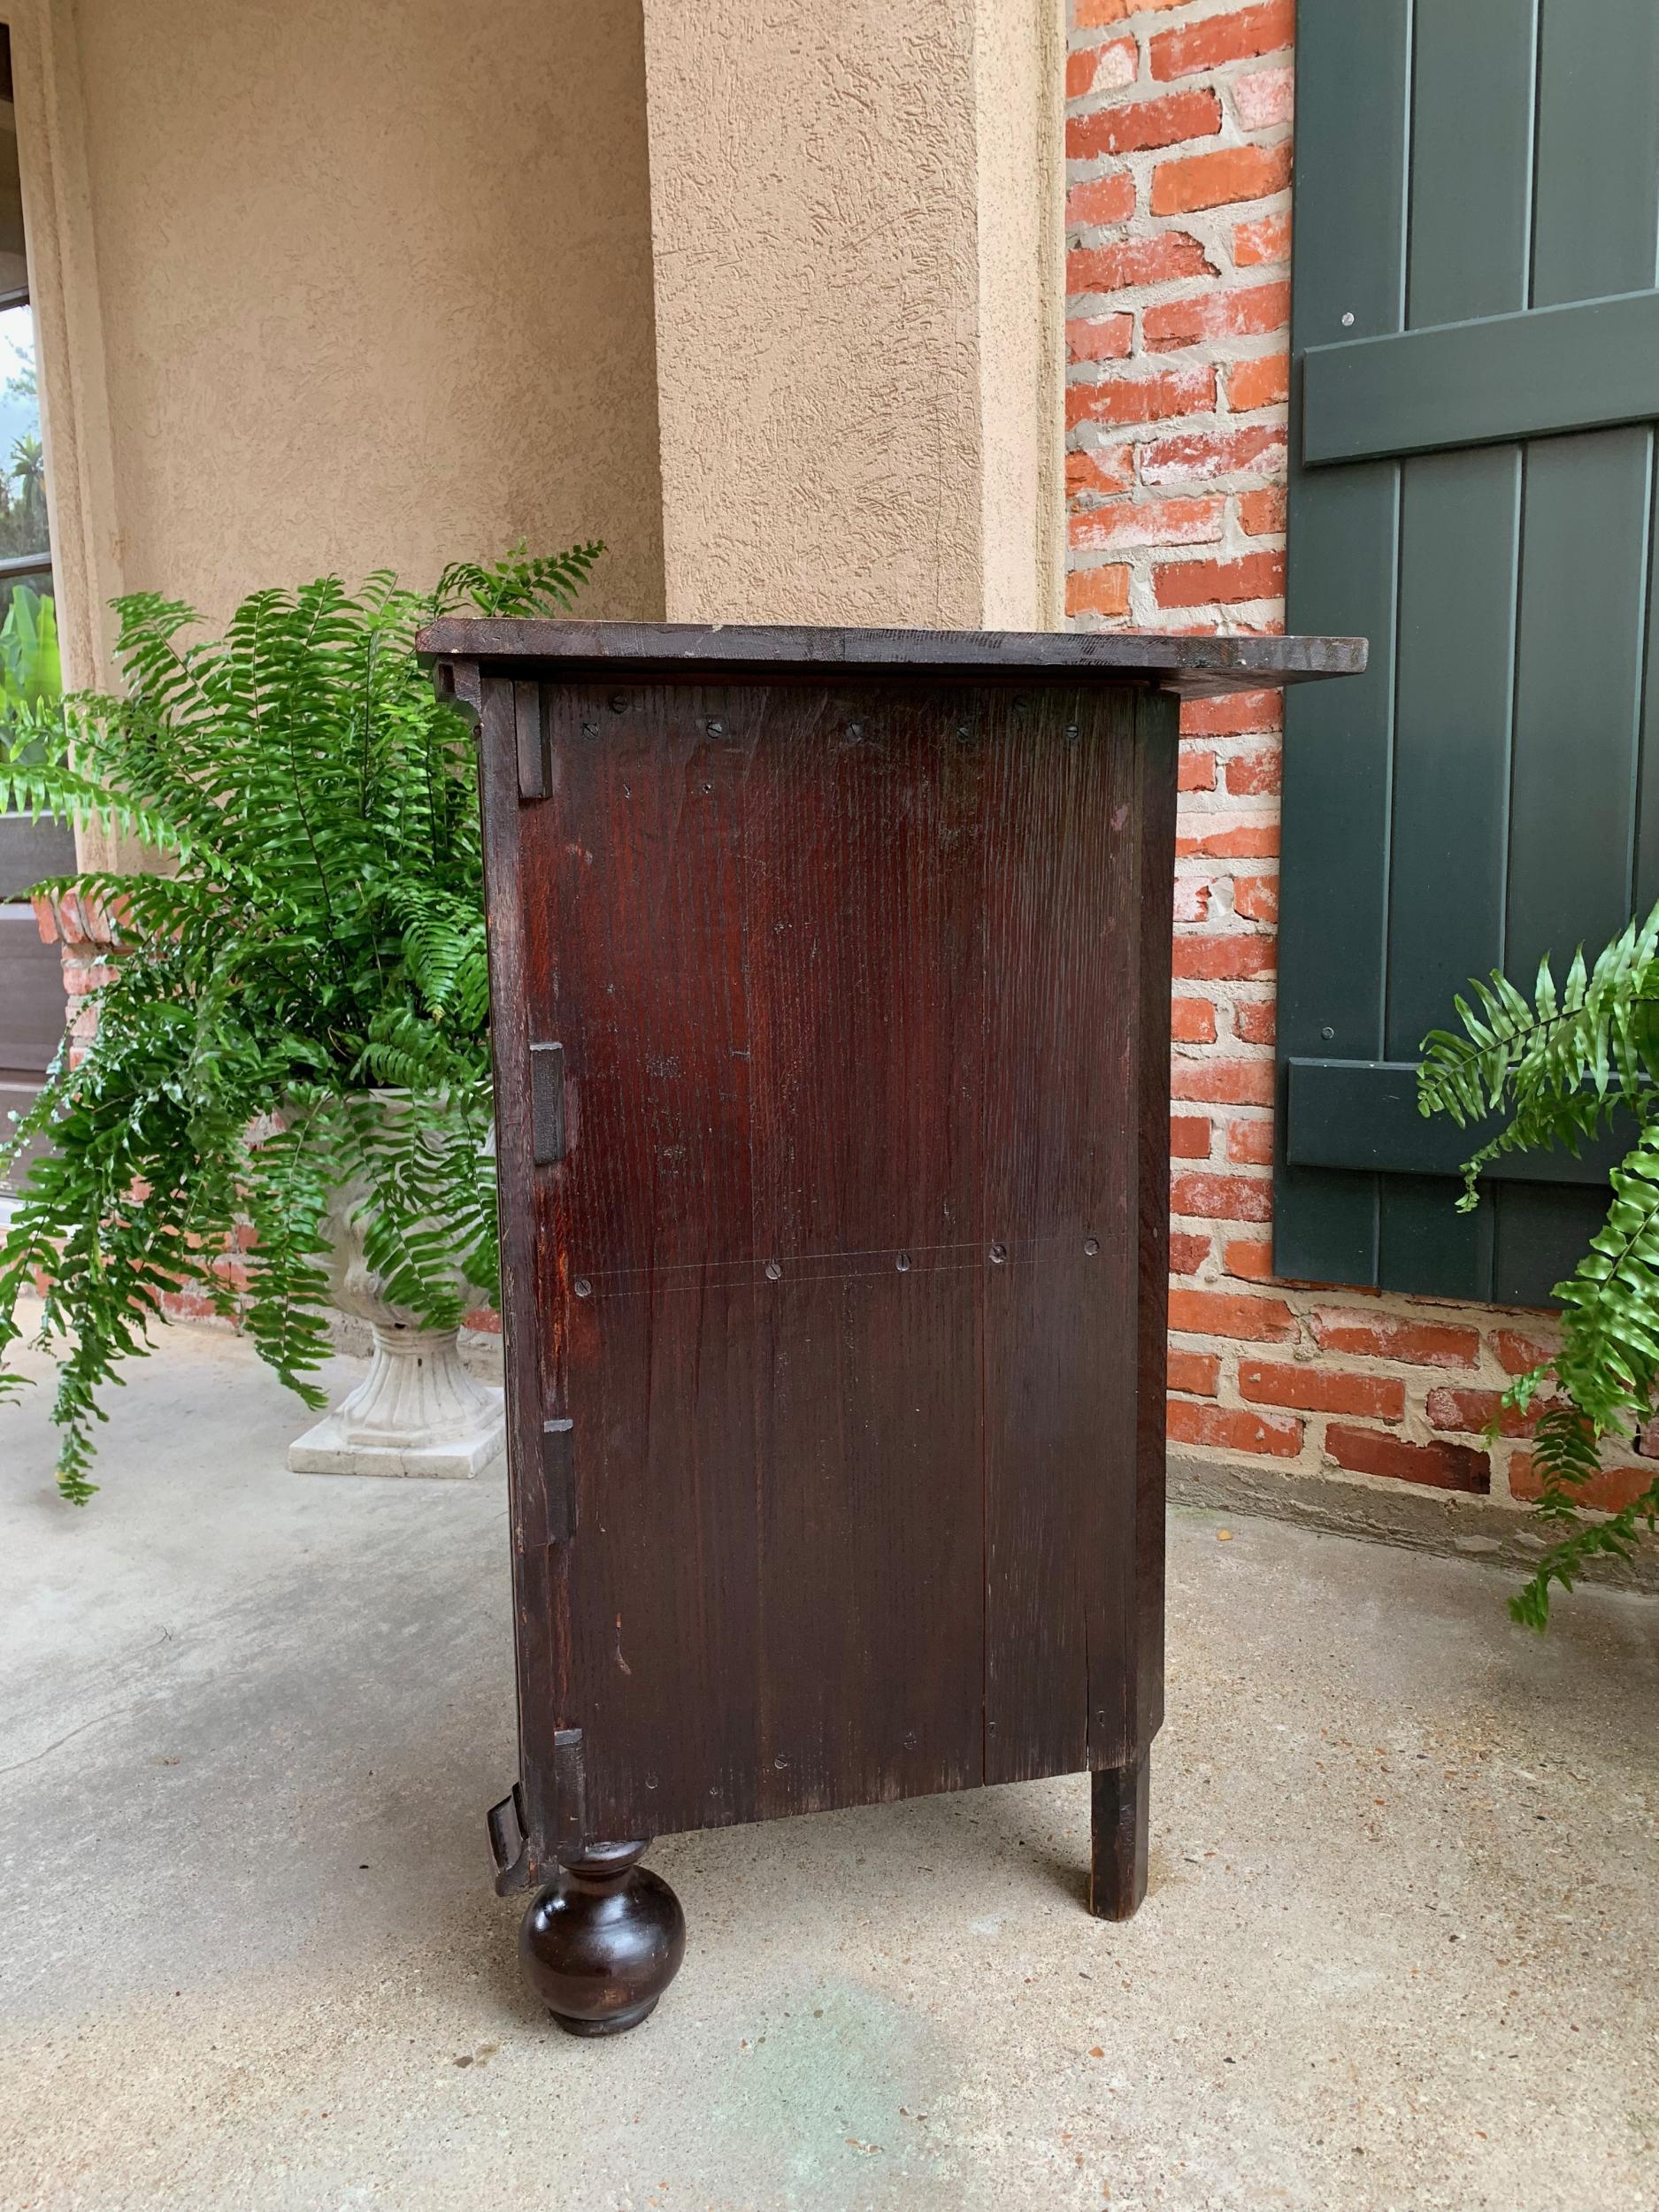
1196	667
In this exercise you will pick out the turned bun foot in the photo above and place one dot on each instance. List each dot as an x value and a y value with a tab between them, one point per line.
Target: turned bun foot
601	1943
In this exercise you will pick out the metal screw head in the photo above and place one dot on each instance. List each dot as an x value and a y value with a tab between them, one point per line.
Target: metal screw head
1347	320
1071	733
964	732
582	1286
1327	1034
1091	1246
618	702
780	1761
855	733
999	1253
591	729
774	1271
717	729
902	1262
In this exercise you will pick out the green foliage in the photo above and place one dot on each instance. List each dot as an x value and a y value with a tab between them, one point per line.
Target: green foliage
1559	1068
31	675
322	940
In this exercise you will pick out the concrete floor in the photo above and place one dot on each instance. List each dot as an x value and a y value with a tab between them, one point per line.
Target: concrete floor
1400	1948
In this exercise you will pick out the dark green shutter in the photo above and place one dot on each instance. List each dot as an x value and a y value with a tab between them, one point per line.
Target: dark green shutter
1476	379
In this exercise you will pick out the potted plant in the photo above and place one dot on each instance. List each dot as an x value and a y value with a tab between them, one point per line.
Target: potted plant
286	1105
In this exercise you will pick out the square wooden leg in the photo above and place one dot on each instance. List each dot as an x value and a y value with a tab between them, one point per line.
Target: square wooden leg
1117	1855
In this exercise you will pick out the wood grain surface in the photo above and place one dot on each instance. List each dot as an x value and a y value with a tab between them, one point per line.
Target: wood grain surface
1194	666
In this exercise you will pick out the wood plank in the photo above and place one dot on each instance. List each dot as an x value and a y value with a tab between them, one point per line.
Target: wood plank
1351	180
1058	1204
1350	277
1577	693
1156	802
1579	682
527	1402
1189	665
866	830
636	962
1539	1234
1576	367
1334	833
1363	1116
1459	560
1474	72
1596	194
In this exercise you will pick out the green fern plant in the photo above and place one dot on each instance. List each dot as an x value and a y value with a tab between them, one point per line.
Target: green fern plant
321	937
1559	1067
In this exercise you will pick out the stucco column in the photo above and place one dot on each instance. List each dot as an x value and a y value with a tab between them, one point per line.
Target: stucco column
856	253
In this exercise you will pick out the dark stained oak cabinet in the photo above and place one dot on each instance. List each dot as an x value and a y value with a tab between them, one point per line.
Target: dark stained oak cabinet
831	979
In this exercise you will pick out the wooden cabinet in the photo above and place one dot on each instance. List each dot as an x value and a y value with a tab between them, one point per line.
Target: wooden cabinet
831	975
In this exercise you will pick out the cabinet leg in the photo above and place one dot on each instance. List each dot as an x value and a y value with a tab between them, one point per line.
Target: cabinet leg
601	1943
1117	1855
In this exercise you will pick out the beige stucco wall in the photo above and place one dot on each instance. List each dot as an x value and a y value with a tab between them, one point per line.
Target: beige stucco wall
855	284
336	283
373	283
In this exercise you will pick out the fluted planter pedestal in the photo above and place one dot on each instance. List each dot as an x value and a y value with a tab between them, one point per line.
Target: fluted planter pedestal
416	1412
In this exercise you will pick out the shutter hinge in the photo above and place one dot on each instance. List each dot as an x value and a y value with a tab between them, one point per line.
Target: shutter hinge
547	1104
526	718
558	1480
510	1841
570	1792
547	1500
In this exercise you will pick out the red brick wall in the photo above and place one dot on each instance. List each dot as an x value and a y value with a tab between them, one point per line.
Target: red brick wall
1177	232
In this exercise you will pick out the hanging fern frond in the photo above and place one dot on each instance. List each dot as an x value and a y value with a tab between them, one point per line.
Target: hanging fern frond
1561	1067
321	935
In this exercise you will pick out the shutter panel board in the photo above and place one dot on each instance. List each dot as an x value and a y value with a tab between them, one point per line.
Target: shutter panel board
1330	982
1540	372
1596	209
1459	540
1472	80
1645	858
1578	686
1486	800
1353	157
1579	679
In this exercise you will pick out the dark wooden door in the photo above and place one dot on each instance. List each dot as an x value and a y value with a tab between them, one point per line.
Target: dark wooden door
1476	336
843	1274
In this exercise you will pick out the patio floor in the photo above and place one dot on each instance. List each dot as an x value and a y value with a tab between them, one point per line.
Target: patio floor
1400	1949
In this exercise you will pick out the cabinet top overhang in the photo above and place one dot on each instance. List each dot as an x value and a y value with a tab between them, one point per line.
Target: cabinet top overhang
1196	667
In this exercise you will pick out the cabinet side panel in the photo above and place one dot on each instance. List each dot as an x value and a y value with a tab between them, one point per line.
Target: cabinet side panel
534	1565
1060	1108
1158	753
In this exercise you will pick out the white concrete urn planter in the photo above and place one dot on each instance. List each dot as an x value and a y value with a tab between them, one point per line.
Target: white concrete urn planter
416	1412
